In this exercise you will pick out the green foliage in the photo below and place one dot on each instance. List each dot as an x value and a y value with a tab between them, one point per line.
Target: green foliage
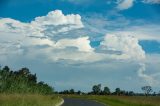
118	91
21	81
106	90
71	91
96	89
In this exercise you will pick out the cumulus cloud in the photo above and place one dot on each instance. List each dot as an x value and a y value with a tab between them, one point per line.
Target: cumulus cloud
16	35
125	45
125	4
129	47
36	39
57	18
83	44
41	32
54	22
33	37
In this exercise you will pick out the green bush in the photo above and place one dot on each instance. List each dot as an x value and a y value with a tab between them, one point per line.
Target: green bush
21	81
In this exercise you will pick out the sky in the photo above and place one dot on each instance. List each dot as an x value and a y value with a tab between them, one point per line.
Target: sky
80	43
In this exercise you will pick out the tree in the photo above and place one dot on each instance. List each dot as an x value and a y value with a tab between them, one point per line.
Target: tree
22	81
6	68
106	90
71	91
122	92
24	71
130	93
96	89
79	92
118	91
159	93
147	90
154	94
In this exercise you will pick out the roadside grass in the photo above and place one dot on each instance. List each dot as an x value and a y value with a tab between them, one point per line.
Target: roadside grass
122	100
28	100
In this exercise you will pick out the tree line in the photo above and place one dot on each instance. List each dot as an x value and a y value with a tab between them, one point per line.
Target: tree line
22	81
97	90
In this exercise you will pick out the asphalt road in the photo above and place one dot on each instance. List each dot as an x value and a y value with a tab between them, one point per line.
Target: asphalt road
80	102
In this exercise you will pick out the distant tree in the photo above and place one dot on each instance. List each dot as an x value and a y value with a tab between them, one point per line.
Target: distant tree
159	93
106	90
130	93
122	92
154	94
79	92
147	90
71	91
96	89
117	91
64	92
6	68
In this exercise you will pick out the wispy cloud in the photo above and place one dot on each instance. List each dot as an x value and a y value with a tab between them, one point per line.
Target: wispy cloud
151	1
125	4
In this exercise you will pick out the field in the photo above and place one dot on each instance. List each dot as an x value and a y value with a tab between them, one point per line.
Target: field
28	100
123	100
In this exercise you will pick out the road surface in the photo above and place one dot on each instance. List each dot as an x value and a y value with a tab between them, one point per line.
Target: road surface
80	102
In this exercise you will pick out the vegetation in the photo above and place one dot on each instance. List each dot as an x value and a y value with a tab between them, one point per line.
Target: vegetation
147	90
97	90
20	88
106	91
28	100
21	81
71	91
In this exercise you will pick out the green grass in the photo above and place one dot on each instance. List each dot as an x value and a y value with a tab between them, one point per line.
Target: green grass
122	100
28	100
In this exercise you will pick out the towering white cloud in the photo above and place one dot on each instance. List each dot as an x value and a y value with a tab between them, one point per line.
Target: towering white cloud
129	47
54	22
83	44
55	18
125	45
124	4
15	36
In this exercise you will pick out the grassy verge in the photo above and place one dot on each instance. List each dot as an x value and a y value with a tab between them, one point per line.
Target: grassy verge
122	100
28	100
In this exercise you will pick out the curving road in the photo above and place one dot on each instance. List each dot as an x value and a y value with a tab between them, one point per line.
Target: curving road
80	102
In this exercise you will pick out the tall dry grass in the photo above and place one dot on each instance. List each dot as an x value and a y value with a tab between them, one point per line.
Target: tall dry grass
28	100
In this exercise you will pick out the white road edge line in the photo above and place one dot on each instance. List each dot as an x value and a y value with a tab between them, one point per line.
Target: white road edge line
59	104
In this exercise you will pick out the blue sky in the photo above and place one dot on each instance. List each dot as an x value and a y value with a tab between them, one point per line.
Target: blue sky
79	43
